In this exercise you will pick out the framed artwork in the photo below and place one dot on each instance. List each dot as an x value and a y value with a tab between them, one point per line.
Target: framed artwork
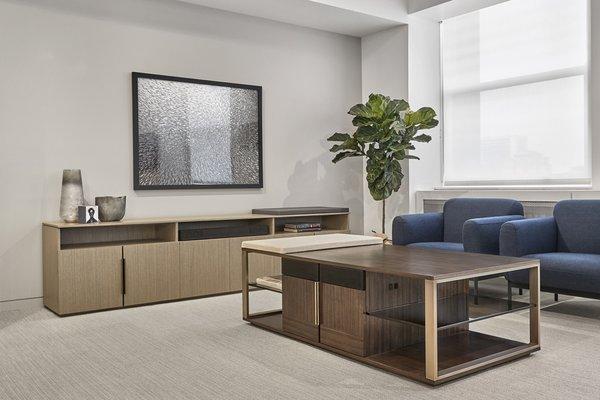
195	134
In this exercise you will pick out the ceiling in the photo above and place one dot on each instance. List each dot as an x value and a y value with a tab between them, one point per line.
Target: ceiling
349	17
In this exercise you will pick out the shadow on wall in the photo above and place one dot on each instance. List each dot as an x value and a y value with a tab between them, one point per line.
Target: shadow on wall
318	181
20	264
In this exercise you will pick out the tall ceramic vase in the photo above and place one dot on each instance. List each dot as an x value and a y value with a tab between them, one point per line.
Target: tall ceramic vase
71	195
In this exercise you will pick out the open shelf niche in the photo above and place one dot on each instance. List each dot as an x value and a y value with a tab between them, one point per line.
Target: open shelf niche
330	223
116	235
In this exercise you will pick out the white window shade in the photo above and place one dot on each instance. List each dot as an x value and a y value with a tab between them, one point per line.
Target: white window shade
515	94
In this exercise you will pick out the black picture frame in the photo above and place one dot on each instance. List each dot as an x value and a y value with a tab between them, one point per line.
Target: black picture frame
135	76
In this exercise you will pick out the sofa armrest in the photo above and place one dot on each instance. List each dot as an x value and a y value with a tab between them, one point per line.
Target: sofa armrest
414	228
482	235
528	236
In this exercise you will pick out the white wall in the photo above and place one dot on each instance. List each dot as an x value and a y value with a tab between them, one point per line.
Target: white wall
424	90
385	70
65	102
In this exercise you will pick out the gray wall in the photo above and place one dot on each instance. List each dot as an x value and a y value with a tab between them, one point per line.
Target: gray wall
65	102
385	70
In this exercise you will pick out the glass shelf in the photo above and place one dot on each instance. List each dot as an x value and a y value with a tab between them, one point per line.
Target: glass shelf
452	311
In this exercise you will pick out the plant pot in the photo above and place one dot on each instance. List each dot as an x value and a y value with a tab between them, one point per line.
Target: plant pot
111	208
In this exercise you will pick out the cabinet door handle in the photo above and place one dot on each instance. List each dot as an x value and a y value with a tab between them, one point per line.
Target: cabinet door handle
123	290
317	303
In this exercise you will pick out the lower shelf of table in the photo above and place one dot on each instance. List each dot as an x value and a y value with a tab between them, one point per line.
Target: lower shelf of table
459	354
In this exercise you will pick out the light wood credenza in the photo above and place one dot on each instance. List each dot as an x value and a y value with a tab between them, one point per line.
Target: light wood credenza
92	267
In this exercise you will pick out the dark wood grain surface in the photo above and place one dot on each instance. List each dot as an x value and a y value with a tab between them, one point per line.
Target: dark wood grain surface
413	262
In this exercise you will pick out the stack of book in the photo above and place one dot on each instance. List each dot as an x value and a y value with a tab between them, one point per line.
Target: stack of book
270	282
302	227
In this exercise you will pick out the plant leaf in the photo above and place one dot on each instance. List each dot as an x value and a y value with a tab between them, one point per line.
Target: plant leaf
366	134
361	121
345	154
338	137
396	106
423	138
361	110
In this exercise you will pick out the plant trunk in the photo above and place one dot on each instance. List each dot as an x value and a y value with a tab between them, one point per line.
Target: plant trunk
383	217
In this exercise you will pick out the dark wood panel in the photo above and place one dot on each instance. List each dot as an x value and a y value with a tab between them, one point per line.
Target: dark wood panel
342	319
413	262
410	363
299	305
453	351
388	291
383	335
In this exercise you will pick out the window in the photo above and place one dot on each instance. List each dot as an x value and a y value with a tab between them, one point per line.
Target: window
515	79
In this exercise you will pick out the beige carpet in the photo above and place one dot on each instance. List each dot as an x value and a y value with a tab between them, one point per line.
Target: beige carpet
202	350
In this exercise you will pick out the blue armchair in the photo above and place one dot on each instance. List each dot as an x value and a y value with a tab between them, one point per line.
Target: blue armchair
471	225
567	245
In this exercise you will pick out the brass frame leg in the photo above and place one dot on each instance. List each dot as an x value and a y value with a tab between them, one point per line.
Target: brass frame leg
431	337
245	289
534	300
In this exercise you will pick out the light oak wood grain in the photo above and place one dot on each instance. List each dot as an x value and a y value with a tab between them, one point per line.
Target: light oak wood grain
50	248
204	267
197	218
89	279
258	264
151	273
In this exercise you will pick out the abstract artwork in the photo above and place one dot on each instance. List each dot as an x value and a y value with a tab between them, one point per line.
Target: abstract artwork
190	134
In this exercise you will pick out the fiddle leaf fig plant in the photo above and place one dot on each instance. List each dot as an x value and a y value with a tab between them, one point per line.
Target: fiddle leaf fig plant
386	130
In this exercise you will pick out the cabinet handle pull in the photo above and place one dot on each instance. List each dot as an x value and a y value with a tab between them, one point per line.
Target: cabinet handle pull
317	303
123	290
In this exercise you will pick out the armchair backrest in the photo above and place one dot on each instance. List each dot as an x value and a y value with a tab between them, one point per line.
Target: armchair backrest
578	226
457	211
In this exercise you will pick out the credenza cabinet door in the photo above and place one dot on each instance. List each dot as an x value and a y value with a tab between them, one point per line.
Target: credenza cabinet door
300	307
89	279
151	273
204	267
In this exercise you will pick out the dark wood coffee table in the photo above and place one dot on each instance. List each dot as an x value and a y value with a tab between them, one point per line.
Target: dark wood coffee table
405	310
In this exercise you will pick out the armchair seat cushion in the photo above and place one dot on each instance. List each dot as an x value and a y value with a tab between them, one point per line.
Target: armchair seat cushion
577	272
449	246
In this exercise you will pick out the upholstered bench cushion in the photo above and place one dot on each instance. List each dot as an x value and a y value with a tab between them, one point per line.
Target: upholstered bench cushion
450	246
568	271
310	243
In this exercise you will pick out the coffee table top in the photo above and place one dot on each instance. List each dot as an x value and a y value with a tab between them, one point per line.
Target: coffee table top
414	262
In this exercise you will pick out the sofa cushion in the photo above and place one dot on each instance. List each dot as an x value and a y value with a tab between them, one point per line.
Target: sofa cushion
439	246
457	211
568	271
578	223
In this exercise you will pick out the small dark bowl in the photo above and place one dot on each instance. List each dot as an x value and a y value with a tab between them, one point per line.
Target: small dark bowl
111	208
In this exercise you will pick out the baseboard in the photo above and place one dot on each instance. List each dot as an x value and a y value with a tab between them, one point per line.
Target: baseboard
22	304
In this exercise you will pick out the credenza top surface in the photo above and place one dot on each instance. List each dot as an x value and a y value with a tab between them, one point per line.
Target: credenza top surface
167	220
414	262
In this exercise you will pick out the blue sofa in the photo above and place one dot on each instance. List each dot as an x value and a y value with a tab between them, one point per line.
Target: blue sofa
567	245
468	224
